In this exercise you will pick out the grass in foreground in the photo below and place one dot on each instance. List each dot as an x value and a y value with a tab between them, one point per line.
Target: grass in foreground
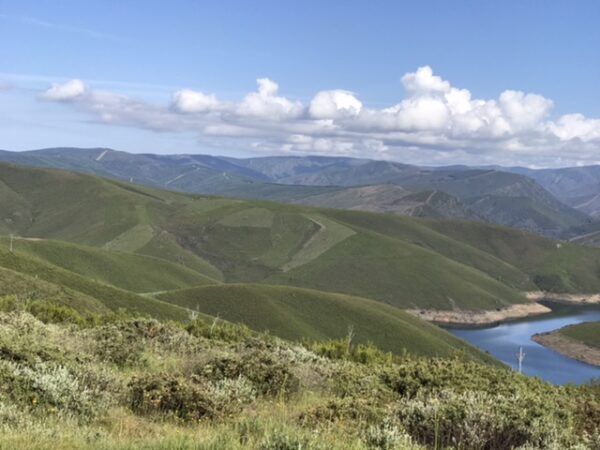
125	383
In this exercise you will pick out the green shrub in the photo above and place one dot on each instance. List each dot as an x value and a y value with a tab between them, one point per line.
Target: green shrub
343	349
477	420
220	330
288	439
51	313
387	436
188	399
269	376
122	344
169	395
355	409
10	303
51	388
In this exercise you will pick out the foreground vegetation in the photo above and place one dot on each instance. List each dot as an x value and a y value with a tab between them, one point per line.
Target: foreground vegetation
112	381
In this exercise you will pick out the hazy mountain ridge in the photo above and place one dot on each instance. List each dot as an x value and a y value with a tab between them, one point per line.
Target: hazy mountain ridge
509	197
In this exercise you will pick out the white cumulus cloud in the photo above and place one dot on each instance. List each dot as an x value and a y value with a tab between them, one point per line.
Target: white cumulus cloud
267	104
188	101
65	91
433	122
334	104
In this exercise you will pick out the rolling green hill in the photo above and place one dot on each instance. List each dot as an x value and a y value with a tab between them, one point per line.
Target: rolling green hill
65	286
30	288
136	273
401	261
297	314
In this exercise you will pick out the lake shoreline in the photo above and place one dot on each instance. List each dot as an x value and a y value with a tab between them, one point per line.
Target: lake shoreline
481	319
570	348
566	299
489	318
504	341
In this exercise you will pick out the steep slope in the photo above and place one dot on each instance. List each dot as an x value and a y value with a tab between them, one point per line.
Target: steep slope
552	266
578	187
83	292
136	273
504	198
297	314
31	288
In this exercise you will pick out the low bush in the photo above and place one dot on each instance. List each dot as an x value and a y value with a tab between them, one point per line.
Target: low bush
477	420
354	409
343	349
220	330
269	376
51	313
387	436
289	439
51	388
188	399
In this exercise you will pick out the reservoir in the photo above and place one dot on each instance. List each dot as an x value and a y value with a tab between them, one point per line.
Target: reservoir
503	342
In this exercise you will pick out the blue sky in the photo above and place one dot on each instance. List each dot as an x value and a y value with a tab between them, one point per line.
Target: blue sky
132	57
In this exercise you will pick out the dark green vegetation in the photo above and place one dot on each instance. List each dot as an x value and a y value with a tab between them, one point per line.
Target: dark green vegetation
74	381
588	333
493	195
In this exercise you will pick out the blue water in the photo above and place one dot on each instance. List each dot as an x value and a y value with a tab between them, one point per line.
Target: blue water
503	342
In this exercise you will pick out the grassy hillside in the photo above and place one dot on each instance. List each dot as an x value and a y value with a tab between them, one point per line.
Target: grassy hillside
401	261
25	288
128	271
587	333
552	266
110	297
297	314
401	274
315	315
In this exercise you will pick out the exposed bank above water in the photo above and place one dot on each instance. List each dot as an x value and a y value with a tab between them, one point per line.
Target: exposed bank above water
480	318
569	347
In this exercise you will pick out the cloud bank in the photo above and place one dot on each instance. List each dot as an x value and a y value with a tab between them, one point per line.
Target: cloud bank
434	123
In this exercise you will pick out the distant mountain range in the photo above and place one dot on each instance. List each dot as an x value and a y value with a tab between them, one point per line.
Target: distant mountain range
559	203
